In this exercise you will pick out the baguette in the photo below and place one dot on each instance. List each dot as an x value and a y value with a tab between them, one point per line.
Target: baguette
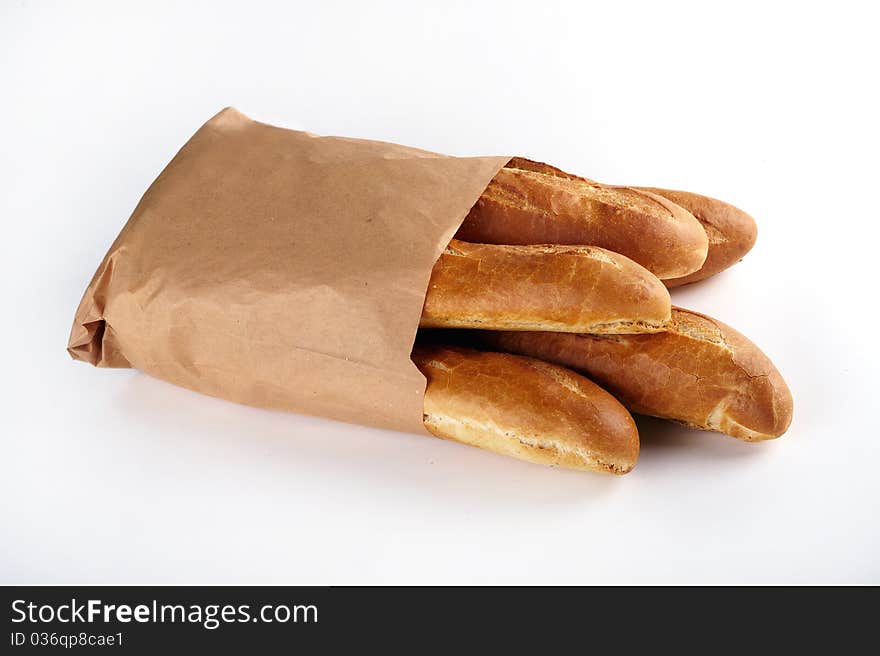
700	372
555	288
526	409
528	207
731	232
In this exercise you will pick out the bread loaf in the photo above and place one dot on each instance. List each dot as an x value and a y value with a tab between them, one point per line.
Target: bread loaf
699	372
556	288
525	408
528	207
731	232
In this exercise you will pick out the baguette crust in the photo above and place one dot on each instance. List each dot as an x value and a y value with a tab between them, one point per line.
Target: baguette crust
700	372
526	409
527	207
554	288
540	167
731	232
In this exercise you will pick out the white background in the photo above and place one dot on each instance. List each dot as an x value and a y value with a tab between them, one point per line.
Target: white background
114	477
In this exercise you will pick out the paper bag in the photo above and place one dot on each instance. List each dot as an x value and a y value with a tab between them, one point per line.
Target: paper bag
281	269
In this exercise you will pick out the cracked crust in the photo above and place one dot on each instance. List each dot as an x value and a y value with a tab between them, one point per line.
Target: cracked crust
553	288
525	408
523	206
700	372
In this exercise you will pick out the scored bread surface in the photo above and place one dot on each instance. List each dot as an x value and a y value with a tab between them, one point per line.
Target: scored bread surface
529	207
525	408
555	288
731	232
699	372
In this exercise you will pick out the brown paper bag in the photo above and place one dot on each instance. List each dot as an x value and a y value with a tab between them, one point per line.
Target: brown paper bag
281	269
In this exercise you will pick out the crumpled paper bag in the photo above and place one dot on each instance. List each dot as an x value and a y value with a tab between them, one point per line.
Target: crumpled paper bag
283	270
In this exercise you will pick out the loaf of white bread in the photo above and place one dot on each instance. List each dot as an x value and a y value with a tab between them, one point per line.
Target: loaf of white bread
525	408
530	207
699	372
730	232
581	289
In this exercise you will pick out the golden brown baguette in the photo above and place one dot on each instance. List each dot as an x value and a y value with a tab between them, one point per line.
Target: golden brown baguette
527	207
731	232
526	409
700	372
557	288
